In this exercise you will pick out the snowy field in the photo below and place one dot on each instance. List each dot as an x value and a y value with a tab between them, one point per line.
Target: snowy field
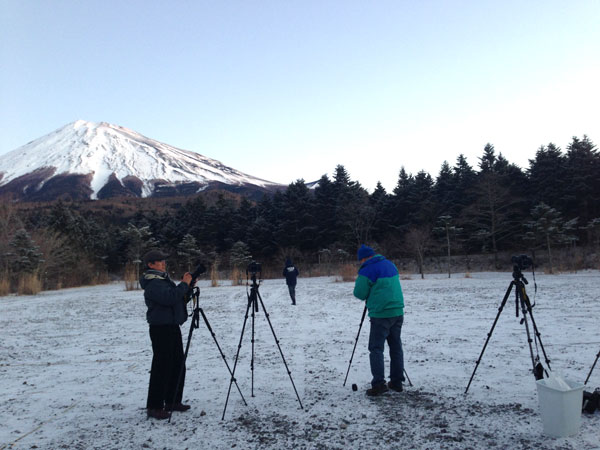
74	368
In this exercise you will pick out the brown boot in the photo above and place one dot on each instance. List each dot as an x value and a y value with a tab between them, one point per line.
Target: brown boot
159	414
378	389
395	387
178	407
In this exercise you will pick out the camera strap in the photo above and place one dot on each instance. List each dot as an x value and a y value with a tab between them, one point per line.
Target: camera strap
533	275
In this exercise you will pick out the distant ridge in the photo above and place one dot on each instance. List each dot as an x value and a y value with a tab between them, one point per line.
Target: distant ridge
86	160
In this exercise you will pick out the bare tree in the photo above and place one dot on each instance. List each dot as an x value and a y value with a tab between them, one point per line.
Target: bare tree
448	230
418	241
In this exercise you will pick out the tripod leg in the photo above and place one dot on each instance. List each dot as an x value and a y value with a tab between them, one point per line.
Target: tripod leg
193	325
355	342
253	306
529	340
592	369
221	352
535	328
236	360
279	347
408	379
490	333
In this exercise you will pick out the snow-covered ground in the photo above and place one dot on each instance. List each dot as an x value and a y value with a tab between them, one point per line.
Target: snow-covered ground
74	368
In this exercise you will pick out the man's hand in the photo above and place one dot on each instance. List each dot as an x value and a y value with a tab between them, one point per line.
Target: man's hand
187	278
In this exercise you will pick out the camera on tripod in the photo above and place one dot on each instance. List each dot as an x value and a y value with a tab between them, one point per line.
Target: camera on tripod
199	270
253	268
522	261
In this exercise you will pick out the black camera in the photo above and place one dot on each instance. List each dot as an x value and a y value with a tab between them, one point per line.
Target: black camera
199	270
253	268
522	261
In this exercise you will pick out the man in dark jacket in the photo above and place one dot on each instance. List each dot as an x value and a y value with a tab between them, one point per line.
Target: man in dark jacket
290	272
166	312
378	283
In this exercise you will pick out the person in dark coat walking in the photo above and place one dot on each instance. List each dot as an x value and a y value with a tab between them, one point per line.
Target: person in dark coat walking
290	272
166	304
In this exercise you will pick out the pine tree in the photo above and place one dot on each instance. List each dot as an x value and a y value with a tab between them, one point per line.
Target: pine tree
379	201
347	195
10	223
25	256
239	255
401	203
297	226
583	182
495	211
137	241
547	175
548	227
444	191
421	201
465	179
191	218
261	232
487	162
220	221
361	216
188	250
324	213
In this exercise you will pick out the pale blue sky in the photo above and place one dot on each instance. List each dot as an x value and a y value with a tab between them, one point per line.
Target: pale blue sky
289	89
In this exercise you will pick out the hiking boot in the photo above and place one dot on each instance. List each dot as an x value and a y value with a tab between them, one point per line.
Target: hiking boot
376	390
159	414
178	407
394	386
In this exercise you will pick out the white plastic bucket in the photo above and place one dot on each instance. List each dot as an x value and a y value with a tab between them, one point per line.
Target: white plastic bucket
560	409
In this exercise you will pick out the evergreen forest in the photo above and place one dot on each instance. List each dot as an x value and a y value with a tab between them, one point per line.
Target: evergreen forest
465	214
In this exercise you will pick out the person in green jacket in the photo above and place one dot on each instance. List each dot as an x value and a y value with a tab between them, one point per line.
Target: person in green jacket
378	283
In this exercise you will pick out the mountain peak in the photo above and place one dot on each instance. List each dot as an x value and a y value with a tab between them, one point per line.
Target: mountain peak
104	152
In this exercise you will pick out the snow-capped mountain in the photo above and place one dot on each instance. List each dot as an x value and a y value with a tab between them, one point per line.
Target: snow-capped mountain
99	160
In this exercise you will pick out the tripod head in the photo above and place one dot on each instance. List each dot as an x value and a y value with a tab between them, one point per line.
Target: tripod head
199	270
518	275
253	270
520	262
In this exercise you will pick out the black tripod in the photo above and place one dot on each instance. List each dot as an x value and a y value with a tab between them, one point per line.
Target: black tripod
592	369
196	324
253	299
522	300
356	342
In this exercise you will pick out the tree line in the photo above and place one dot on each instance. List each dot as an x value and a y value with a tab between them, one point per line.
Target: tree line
490	208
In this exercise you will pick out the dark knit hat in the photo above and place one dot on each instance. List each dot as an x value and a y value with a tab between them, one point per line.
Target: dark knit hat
153	256
364	252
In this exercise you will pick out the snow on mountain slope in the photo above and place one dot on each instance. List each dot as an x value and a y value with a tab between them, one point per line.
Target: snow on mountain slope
102	149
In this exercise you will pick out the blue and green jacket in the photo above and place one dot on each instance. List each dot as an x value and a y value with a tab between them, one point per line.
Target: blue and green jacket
378	283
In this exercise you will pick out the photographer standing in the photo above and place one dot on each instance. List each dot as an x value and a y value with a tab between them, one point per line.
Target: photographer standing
166	312
290	272
378	283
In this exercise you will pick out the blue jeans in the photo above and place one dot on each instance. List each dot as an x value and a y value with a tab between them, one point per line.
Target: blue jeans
389	329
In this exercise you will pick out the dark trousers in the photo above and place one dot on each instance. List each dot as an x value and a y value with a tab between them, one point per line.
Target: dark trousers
292	289
386	329
167	359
